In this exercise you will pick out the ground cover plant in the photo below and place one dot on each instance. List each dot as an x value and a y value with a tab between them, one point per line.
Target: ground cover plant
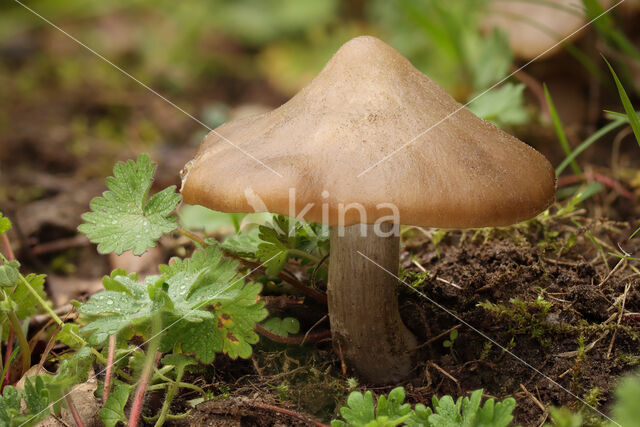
120	305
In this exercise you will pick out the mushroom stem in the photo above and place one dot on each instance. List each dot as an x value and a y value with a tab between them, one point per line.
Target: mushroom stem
363	304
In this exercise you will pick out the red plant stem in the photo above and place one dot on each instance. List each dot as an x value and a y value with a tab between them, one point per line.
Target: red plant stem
136	407
12	335
7	247
7	356
291	340
288	412
74	411
609	182
109	373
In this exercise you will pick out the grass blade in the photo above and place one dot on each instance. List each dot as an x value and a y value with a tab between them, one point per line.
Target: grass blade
587	143
562	137
634	120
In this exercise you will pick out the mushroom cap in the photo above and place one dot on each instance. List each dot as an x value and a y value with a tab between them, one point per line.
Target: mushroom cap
533	28
367	103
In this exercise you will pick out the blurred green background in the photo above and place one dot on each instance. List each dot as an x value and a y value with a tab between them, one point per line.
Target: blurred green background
65	112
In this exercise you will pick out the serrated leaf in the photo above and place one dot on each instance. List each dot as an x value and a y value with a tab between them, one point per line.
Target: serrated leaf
243	244
205	308
36	399
286	237
113	410
123	218
392	406
179	361
5	224
283	327
128	306
360	409
9	274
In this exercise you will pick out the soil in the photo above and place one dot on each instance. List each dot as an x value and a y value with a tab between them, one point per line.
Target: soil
534	354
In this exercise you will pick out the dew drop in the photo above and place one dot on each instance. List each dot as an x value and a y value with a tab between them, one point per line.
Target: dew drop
109	302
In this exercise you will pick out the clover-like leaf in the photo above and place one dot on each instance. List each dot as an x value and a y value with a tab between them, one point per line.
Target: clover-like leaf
124	218
283	327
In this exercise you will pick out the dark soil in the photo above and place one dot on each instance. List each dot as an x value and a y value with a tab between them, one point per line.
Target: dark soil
519	270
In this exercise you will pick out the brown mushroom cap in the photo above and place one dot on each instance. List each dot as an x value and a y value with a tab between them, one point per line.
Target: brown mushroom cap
367	102
532	28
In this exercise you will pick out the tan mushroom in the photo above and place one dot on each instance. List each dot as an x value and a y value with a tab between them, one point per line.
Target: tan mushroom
368	104
536	28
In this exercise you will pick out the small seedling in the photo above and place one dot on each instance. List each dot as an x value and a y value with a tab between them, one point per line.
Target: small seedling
453	335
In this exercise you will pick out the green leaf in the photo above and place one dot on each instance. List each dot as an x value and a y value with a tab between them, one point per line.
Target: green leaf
208	281
634	120
9	274
562	137
125	304
393	407
286	237
113	410
504	106
243	244
179	361
5	224
420	416
283	327
205	307
36	399
27	303
626	410
360	409
124	218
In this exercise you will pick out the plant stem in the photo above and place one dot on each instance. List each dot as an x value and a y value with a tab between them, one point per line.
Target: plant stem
42	302
22	340
291	340
199	240
173	388
10	339
7	247
74	411
180	383
147	370
109	373
304	254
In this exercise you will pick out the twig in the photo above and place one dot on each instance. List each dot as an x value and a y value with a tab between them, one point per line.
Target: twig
446	374
288	412
109	372
532	397
343	365
613	270
312	327
615	332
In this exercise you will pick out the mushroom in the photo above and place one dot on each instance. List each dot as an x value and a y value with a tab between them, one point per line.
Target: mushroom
534	29
351	147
